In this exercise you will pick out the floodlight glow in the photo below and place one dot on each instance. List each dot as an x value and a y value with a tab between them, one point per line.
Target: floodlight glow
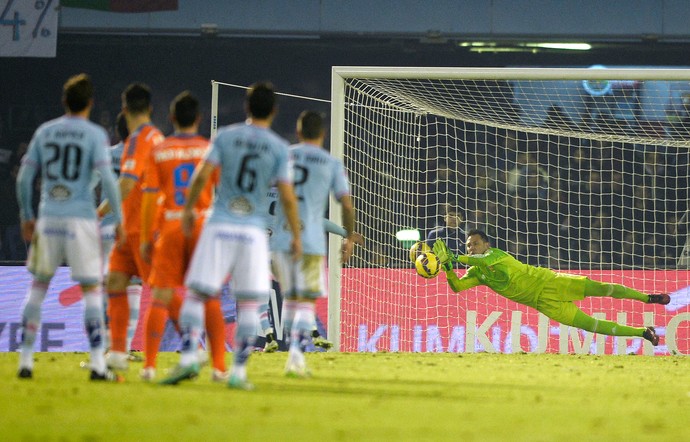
408	235
564	46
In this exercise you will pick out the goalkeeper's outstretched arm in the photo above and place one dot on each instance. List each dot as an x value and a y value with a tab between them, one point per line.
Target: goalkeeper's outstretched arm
447	258
460	284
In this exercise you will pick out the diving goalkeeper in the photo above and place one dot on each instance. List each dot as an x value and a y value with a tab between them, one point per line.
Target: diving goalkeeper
549	292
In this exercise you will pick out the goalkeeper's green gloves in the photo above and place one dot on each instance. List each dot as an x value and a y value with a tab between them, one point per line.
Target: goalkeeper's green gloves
444	255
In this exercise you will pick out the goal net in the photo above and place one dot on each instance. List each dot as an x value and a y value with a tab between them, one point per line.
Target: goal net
584	171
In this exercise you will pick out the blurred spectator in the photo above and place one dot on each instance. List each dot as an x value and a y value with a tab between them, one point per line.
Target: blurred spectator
378	256
484	180
526	172
672	240
681	232
658	176
484	217
631	251
442	184
655	254
12	247
600	230
553	224
520	247
451	232
646	216
595	257
552	145
577	166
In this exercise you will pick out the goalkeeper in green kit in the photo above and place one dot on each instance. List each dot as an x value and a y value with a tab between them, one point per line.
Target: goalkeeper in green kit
543	289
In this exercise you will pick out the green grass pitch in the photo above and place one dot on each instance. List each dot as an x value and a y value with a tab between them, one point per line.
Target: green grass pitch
363	396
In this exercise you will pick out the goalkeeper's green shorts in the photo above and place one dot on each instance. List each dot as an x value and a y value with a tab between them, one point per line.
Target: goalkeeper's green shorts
556	299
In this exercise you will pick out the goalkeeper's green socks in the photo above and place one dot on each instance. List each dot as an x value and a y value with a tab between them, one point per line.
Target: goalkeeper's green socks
596	288
603	327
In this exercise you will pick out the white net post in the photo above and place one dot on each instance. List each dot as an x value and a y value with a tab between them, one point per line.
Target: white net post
565	168
214	108
334	265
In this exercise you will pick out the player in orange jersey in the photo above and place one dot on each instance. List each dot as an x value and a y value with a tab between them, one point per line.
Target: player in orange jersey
168	175
125	260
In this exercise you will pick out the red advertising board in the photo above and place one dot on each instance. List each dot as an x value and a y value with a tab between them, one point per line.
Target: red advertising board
396	310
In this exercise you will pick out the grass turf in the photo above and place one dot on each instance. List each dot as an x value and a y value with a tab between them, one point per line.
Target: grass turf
360	396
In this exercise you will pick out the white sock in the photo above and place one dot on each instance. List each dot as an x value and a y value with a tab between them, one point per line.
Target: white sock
93	322
191	325
106	319
245	335
289	310
31	320
134	299
263	316
301	327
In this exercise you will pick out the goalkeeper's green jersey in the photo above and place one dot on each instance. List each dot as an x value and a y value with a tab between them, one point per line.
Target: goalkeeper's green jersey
505	275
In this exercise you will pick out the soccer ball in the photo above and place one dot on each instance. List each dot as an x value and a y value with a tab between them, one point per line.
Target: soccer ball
427	265
417	249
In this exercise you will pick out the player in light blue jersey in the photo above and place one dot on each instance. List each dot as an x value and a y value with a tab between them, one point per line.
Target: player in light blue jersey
316	175
67	151
250	157
269	330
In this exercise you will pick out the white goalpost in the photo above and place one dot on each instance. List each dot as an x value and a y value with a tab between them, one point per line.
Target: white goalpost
581	170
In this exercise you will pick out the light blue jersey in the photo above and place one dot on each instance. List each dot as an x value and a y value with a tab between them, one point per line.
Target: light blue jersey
251	159
67	151
328	225
316	174
116	157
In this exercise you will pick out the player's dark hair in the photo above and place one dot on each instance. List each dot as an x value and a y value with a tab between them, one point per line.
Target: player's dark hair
452	208
481	234
77	92
121	126
137	98
185	109
310	125
261	99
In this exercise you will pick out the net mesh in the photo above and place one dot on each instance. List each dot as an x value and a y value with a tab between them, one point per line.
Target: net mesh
587	177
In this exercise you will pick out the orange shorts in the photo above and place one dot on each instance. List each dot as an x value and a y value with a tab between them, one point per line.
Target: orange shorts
127	258
172	252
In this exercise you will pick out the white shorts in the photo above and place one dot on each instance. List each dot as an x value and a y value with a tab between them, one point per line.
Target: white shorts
232	250
303	279
75	241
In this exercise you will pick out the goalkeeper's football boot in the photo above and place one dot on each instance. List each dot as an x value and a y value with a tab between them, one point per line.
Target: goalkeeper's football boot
236	383
320	341
271	343
106	376
661	298
25	373
650	335
181	373
271	347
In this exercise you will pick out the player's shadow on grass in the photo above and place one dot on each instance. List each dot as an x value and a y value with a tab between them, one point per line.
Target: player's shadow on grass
393	387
